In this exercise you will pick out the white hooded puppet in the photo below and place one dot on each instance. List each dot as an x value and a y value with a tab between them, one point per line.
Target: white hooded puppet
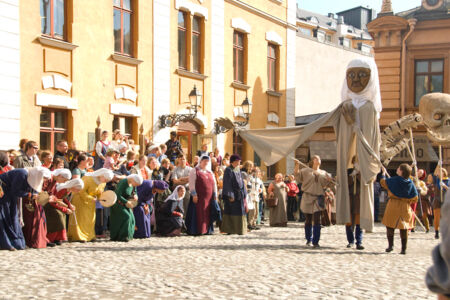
355	122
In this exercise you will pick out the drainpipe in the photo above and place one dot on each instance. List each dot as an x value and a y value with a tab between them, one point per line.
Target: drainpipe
412	24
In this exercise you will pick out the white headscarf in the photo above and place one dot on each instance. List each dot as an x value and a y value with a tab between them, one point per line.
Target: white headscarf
208	166
74	183
108	174
174	196
372	90
36	177
62	172
136	178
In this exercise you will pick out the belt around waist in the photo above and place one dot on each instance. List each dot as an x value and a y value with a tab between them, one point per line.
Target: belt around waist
314	195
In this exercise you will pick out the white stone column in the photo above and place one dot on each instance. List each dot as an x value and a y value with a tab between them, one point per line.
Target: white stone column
9	74
217	66
161	67
290	74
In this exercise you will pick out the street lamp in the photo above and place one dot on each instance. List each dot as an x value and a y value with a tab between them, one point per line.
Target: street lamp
195	101
247	107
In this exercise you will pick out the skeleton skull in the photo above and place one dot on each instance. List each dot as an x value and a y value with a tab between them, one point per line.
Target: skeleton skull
435	110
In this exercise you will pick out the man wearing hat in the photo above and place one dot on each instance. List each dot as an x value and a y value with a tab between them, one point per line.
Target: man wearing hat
235	207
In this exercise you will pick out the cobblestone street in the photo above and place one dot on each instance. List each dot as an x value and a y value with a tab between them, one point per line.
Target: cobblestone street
272	263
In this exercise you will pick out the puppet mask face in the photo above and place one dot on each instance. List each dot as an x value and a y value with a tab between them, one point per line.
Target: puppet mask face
435	110
358	79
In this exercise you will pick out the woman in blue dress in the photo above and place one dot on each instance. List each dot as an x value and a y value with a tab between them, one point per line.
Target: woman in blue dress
143	211
16	184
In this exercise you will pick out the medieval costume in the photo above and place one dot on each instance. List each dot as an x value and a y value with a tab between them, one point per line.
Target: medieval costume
234	194
437	201
35	224
313	201
355	123
169	220
278	214
122	217
15	185
143	211
427	200
82	221
398	213
100	148
56	209
202	184
256	187
353	228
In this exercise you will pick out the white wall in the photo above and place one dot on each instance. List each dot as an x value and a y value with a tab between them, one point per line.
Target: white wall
291	74
161	68
9	74
217	65
319	76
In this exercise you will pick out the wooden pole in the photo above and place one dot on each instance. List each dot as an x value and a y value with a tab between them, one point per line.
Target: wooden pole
141	140
440	173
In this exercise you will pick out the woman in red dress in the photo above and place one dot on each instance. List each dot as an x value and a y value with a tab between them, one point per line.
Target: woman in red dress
35	226
203	189
58	207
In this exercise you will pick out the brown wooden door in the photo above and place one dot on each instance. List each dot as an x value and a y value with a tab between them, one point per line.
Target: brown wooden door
185	138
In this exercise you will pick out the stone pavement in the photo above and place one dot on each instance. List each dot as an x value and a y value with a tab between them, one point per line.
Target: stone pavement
272	263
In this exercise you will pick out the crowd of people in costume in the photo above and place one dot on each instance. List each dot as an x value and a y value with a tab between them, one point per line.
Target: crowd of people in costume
161	192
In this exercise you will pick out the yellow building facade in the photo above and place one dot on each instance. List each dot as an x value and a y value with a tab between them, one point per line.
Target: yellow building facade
127	63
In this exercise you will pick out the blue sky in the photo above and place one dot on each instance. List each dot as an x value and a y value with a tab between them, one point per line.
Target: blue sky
325	6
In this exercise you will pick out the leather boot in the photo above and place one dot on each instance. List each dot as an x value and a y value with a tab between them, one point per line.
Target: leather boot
404	237
390	238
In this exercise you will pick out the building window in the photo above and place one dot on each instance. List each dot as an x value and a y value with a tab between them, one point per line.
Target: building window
429	77
238	144
53	15
305	31
328	38
256	159
196	44
53	127
271	172
238	56
272	59
344	42
122	26
182	39
124	124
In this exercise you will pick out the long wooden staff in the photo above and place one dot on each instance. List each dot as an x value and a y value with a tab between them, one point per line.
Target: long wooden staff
441	180
416	177
306	166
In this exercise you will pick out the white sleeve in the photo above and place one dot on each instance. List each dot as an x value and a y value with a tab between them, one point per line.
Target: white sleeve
192	181
98	149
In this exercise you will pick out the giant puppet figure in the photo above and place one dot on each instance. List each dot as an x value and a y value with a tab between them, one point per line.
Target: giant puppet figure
355	123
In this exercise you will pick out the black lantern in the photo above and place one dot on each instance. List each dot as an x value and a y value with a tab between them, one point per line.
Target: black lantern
195	101
247	107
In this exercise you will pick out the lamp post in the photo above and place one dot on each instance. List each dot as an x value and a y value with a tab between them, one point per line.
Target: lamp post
247	107
195	102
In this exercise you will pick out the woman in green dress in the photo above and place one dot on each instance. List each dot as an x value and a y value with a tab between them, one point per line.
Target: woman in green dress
122	217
